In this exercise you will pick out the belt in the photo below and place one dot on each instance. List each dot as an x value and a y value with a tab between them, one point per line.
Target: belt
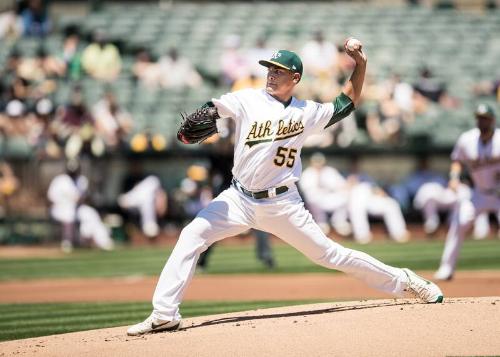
270	193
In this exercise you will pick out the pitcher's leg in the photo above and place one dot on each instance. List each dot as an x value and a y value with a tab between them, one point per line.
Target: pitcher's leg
223	217
296	227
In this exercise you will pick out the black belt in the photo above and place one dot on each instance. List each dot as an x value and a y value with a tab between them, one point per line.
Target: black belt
272	192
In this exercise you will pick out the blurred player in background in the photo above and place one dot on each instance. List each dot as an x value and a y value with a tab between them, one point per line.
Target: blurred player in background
80	222
433	198
478	150
367	200
149	199
326	192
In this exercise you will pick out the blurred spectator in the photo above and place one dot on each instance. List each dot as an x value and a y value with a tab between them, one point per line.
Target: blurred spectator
431	88
72	54
81	223
101	59
177	72
251	81
75	126
145	69
42	67
19	89
150	200
255	75
11	64
233	63
113	123
16	118
402	94
385	123
35	19
320	65
10	24
319	57
254	55
488	88
42	136
9	184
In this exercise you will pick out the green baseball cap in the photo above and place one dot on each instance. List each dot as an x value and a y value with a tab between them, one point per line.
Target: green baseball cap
484	110
284	59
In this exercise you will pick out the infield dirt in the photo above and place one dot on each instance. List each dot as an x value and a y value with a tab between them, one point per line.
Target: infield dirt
460	326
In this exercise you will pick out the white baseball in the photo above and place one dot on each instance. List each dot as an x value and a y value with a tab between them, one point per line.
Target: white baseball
353	44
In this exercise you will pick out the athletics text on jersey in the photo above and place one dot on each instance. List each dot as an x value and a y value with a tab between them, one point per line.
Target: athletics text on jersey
269	135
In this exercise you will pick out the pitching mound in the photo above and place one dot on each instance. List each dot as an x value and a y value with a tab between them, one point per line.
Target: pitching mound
461	326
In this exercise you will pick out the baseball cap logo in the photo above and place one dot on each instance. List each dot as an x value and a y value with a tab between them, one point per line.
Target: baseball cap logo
276	55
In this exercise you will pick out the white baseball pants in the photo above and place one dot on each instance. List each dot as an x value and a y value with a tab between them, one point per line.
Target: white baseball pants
91	226
284	216
462	218
363	202
142	197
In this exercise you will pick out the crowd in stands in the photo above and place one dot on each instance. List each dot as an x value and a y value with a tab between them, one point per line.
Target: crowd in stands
31	110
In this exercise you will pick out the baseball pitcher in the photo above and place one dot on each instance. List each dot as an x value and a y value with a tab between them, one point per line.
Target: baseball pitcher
271	126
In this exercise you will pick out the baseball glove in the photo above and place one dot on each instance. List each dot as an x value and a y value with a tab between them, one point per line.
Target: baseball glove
198	126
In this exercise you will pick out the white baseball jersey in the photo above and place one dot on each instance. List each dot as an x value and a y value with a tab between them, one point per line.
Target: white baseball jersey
269	136
482	160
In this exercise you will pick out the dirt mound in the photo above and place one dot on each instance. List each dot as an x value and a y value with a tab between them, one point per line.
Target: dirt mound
461	326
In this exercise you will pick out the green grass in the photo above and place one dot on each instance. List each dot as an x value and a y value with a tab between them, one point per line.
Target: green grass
148	261
32	320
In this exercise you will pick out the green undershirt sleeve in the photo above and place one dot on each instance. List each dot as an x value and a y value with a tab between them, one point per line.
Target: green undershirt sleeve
343	107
